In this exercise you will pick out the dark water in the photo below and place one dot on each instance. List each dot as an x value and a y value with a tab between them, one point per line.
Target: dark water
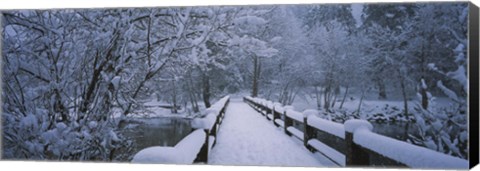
156	131
394	130
169	131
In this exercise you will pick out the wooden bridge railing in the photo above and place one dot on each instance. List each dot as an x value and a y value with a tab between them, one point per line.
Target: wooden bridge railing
352	143
210	123
195	147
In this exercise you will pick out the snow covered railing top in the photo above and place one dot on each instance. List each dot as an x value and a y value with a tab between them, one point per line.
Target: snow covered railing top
211	114
312	120
354	140
184	152
294	115
217	106
402	152
195	146
327	126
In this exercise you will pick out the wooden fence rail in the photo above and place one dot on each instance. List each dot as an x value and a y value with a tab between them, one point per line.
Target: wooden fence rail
352	143
210	128
195	147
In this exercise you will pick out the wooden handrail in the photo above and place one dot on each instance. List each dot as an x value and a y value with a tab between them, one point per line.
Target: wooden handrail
181	153
211	130
357	151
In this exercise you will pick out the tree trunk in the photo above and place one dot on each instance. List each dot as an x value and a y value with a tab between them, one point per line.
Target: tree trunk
174	98
293	95
206	90
195	98
59	107
382	94
148	42
256	75
193	101
423	92
284	95
196	108
405	98
192	95
334	100
405	135
344	97
360	103
319	98
335	94
326	98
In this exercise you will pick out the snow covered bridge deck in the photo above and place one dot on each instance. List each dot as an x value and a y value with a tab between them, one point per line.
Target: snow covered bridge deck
246	138
255	132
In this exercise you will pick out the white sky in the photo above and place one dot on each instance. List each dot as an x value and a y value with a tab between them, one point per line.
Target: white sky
357	13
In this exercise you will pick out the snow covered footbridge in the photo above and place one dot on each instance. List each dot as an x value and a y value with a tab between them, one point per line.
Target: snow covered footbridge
248	139
260	132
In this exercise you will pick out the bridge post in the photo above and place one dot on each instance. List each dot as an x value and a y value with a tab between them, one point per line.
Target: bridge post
287	123
213	131
267	111
257	107
222	113
308	134
262	108
202	156
355	155
275	116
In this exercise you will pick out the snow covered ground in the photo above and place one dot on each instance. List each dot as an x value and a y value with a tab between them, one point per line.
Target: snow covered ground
158	109
371	108
247	138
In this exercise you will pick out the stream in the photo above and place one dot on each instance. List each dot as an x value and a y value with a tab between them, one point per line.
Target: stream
161	131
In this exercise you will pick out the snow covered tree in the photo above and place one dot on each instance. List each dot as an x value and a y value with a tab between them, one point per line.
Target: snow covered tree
379	17
250	30
62	66
286	75
322	15
332	60
445	128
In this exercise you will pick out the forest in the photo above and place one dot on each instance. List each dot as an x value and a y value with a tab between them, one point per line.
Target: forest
71	77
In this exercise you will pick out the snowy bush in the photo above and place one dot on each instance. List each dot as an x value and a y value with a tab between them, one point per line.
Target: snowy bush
35	137
445	128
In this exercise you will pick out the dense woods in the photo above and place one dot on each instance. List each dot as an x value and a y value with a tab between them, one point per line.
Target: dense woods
71	76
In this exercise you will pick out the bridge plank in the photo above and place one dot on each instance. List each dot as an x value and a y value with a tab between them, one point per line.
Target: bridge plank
247	138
